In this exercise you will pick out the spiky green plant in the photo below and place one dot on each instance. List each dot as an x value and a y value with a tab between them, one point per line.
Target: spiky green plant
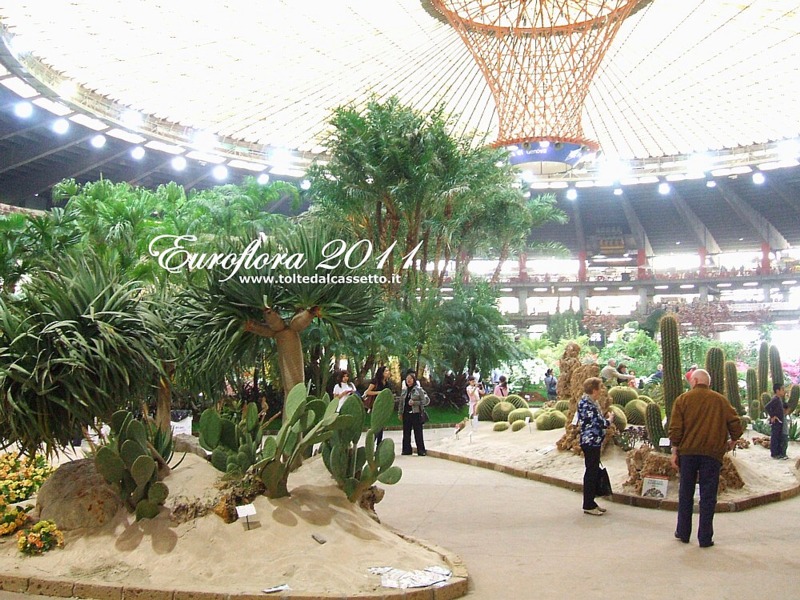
516	400
234	447
517	425
500	426
622	394
131	465
763	367
485	407
775	367
751	379
551	419
655	426
620	420
794	397
634	411
519	414
501	411
562	405
356	468
732	387
671	359
715	365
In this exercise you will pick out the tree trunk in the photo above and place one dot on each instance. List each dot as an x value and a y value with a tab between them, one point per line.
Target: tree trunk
164	397
500	261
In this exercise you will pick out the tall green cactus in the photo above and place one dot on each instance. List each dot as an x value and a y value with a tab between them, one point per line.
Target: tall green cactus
671	359
655	426
763	367
715	365
775	367
305	422
732	387
357	468
130	463
234	446
752	385
794	397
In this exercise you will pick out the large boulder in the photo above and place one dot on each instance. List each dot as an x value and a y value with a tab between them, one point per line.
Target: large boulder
76	496
189	444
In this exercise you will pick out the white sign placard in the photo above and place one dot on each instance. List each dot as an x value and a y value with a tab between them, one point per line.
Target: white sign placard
655	486
664	442
245	510
182	427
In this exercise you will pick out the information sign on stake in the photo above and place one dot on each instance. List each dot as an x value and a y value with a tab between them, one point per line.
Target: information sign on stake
246	511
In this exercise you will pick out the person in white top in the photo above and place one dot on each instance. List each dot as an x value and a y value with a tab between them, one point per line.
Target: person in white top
343	389
474	395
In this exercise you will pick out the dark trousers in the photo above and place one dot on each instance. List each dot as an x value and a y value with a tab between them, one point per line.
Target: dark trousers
591	458
693	468
412	421
776	440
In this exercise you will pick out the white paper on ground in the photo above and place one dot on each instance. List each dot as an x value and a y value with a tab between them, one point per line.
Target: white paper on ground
397	578
276	588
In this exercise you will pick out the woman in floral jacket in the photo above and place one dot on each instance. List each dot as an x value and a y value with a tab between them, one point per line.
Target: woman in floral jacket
593	429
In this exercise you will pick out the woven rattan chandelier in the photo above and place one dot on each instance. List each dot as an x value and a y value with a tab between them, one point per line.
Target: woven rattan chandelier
539	58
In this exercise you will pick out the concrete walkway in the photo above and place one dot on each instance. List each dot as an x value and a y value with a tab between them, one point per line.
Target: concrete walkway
522	539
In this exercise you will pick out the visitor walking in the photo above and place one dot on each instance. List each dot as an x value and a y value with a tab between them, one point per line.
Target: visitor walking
412	402
593	429
699	426
550	383
379	383
776	412
473	395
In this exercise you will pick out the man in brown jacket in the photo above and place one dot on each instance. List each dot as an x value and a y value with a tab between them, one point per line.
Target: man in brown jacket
699	427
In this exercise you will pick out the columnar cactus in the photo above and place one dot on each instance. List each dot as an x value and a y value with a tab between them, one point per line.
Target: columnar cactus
671	359
763	367
654	425
752	384
715	365
775	367
357	468
732	387
794	396
622	394
131	465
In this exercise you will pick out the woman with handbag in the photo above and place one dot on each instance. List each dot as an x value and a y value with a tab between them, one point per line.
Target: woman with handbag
413	401
593	429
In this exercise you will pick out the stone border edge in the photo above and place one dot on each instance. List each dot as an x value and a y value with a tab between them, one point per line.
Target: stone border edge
620	497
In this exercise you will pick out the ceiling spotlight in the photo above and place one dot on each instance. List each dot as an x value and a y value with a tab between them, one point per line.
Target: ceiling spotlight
220	172
758	178
23	109
711	183
618	191
60	126
178	163
572	194
305	184
137	153
263	179
663	188
99	140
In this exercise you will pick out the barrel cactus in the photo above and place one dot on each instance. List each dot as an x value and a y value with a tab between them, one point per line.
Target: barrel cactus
715	365
517	401
647	399
655	426
620	420
131	465
519	414
551	419
501	411
634	411
671	359
485	407
763	367
752	384
562	405
517	425
500	426
732	387
622	394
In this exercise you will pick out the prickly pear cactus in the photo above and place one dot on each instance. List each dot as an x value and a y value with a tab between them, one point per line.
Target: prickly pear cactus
655	426
234	447
732	387
715	365
131	465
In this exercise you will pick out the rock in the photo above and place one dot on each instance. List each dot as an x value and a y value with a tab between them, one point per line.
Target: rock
77	496
190	444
